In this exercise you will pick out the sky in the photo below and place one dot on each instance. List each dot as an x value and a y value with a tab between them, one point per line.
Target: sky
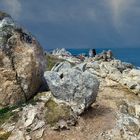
79	23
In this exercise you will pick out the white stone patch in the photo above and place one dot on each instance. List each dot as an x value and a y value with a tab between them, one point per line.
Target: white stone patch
6	21
137	110
29	115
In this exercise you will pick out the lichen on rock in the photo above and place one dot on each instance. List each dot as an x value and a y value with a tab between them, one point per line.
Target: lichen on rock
22	63
56	111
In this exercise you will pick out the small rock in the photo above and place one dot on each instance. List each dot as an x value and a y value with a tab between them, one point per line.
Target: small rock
133	127
29	114
38	134
17	135
40	124
137	110
61	125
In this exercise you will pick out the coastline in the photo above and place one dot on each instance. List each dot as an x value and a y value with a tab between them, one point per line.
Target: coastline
129	55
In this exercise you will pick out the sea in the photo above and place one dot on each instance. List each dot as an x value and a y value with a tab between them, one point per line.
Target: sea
130	55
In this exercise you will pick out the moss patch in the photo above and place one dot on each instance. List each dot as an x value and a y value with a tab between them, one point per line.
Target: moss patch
7	114
4	135
55	112
52	60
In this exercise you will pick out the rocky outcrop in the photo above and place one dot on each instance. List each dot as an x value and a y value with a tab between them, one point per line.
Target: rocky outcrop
104	56
30	121
61	52
21	63
131	79
77	88
123	73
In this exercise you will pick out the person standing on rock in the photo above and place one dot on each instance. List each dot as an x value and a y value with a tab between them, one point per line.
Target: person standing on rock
92	53
104	55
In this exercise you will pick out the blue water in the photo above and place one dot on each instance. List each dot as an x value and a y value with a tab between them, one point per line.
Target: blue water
131	55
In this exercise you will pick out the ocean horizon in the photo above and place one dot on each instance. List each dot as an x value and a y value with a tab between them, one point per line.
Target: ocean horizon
130	55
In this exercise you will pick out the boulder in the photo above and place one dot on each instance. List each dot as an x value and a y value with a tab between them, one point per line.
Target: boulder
22	63
77	88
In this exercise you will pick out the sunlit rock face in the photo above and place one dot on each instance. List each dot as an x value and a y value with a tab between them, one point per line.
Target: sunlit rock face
21	63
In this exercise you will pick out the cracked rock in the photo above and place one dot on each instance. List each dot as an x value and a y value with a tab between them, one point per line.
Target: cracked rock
22	63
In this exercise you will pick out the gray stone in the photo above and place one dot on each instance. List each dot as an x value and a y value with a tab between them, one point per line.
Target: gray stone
17	135
61	52
133	127
61	66
81	67
77	88
131	79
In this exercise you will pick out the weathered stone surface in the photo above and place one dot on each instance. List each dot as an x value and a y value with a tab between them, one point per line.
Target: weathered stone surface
21	64
115	70
61	52
77	88
131	79
61	66
17	135
81	67
137	111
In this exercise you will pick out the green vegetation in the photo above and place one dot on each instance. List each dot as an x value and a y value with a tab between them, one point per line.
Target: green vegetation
6	114
4	135
51	61
56	112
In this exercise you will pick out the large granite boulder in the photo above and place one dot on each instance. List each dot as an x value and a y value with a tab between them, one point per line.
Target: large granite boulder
21	63
77	88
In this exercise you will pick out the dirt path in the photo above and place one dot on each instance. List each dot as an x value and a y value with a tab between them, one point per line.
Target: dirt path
101	117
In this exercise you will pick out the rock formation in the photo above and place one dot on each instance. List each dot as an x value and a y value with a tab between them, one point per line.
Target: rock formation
21	63
61	52
73	90
123	73
77	88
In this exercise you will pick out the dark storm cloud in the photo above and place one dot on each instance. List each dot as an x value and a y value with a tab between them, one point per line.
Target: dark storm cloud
79	23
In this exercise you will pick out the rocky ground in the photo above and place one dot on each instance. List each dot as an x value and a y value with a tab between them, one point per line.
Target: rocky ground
112	117
75	99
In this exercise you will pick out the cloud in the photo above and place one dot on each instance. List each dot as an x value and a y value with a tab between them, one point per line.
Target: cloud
13	7
59	11
93	22
120	10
